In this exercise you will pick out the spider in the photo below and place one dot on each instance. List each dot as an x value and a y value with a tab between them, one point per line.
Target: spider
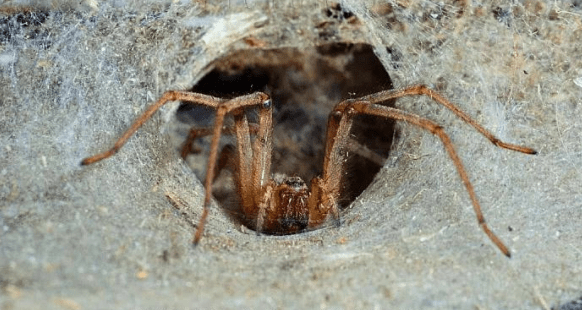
286	205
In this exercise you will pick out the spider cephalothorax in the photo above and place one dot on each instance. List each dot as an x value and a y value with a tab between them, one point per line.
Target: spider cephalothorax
286	205
287	210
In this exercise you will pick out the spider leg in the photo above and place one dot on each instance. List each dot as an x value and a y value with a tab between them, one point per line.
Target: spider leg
193	134
424	90
262	206
358	148
234	105
199	132
222	107
168	96
262	147
252	163
253	167
260	168
224	160
325	190
347	109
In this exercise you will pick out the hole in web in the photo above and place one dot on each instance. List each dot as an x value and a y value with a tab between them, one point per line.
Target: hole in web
305	85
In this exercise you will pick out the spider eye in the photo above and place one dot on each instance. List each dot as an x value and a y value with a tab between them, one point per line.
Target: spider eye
267	103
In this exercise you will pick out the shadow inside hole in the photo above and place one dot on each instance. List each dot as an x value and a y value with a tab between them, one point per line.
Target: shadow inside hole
305	85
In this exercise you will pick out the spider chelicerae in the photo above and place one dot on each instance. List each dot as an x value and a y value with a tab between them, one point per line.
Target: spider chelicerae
278	204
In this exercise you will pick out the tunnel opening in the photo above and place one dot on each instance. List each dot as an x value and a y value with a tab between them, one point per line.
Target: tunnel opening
305	85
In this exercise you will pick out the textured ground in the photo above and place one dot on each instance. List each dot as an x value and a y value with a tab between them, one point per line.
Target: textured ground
74	76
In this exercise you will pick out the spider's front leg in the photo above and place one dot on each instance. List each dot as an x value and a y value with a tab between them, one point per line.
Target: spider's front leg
253	163
235	106
222	106
169	96
338	135
325	190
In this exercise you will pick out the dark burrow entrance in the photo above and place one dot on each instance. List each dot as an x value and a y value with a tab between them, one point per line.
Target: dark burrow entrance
305	85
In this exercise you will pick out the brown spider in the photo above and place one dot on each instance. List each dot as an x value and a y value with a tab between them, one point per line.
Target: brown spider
286	205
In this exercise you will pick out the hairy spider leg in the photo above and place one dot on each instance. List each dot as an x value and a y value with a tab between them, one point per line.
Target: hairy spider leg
222	107
168	96
237	106
349	108
325	190
254	169
225	157
199	132
416	90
